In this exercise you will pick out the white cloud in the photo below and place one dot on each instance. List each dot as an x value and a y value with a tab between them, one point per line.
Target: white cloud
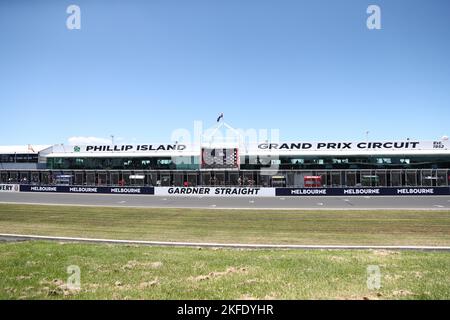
87	140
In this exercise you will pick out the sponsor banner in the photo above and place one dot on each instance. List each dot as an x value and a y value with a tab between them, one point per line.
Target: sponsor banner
26	188
232	191
400	191
215	191
9	188
80	189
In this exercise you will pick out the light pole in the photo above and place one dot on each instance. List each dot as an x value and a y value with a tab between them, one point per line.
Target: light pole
112	139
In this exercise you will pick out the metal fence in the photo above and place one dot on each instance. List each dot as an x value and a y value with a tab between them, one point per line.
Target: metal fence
257	178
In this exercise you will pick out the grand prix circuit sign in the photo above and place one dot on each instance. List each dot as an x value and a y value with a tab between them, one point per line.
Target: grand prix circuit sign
278	147
318	146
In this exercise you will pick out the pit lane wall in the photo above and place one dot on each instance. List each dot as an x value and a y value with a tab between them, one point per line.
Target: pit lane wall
249	192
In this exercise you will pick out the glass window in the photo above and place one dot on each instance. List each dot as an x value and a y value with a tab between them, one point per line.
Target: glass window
396	179
428	178
384	160
411	178
382	180
442	178
350	178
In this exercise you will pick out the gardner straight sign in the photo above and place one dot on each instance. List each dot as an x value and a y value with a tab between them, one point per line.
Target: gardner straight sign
215	191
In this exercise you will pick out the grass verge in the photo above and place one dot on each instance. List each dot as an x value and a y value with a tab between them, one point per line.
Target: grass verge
231	226
37	270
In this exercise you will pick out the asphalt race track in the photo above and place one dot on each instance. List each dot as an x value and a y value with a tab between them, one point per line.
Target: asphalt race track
304	202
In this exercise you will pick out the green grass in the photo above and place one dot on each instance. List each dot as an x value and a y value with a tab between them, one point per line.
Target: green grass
37	270
231	226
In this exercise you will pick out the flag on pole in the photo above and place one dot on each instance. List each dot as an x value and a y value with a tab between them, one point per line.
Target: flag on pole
220	117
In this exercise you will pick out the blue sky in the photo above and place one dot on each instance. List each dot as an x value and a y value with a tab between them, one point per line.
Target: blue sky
140	69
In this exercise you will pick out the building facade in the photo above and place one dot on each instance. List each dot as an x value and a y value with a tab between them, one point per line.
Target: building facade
264	164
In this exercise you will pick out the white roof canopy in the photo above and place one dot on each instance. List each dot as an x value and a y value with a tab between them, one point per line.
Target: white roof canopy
26	149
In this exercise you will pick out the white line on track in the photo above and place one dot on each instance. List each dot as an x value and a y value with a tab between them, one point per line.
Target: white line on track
216	245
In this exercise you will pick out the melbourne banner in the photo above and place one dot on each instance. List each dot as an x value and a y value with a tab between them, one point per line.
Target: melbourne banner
401	191
9	188
215	191
233	191
78	189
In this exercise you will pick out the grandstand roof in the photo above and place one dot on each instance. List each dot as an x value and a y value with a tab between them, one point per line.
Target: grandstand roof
24	149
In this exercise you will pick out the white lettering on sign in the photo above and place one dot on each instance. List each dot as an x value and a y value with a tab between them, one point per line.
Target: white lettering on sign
309	191
416	191
125	190
361	191
43	189
82	189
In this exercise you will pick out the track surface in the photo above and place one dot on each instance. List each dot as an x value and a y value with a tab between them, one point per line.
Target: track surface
329	202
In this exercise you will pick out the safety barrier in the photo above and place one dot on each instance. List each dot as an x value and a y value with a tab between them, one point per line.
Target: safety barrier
233	191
